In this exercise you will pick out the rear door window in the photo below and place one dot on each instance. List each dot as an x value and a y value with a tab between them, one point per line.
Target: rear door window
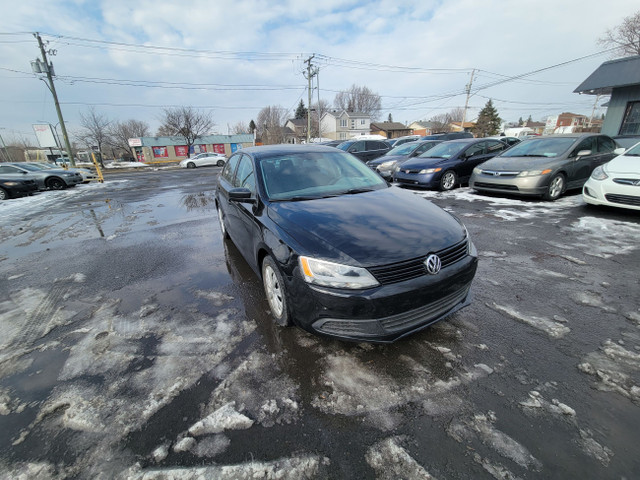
606	145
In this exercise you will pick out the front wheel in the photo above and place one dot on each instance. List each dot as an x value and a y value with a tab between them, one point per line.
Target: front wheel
555	188
3	194
274	289
56	184
191	165
448	181
220	163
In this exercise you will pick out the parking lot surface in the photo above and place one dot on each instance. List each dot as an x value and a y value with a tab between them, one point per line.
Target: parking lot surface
136	343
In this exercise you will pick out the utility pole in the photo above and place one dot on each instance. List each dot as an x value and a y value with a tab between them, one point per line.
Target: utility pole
593	111
466	103
46	67
309	74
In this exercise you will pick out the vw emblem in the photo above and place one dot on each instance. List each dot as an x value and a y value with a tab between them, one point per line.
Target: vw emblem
433	264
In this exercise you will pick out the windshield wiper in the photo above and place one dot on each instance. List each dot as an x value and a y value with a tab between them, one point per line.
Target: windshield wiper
358	190
531	155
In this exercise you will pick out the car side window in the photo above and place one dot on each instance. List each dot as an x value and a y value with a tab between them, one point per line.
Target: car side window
606	145
473	150
374	145
244	176
230	167
357	147
9	169
586	144
494	146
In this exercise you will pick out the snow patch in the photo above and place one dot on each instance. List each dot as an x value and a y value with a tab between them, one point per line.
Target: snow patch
391	461
592	299
224	418
550	327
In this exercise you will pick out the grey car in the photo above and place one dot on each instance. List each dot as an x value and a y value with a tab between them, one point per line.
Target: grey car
55	179
544	166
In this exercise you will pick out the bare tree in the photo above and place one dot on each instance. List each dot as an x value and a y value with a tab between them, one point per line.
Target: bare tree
625	37
359	99
121	132
186	122
440	122
240	127
270	124
94	131
317	111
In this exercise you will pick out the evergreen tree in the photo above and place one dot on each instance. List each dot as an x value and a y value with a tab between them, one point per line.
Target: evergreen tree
301	111
529	120
520	122
488	121
390	119
252	126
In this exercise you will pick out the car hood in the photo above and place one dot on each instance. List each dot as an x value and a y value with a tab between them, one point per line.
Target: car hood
372	228
424	162
387	158
518	164
623	164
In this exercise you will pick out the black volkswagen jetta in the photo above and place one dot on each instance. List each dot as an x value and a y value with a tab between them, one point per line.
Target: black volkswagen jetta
340	252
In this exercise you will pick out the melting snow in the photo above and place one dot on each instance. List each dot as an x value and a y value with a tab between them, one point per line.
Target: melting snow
550	327
391	461
224	418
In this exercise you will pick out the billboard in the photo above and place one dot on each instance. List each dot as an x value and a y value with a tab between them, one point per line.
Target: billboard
45	136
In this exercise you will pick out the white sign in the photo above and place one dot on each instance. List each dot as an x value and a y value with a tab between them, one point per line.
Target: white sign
45	136
135	142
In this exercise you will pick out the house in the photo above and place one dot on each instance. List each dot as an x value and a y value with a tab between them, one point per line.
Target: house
537	127
423	128
390	129
621	79
296	130
455	126
343	125
567	122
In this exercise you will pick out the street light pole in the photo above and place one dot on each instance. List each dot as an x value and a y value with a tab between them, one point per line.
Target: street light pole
47	68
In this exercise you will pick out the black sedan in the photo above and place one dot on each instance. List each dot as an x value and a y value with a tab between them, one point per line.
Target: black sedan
13	187
448	164
340	252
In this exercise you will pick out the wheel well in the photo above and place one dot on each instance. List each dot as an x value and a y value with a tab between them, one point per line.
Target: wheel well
54	178
261	254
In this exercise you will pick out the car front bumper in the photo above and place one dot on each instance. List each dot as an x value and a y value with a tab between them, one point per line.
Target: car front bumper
21	189
607	192
428	180
386	313
512	185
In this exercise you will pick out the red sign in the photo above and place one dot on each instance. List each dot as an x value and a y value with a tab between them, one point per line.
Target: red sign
160	152
218	148
181	150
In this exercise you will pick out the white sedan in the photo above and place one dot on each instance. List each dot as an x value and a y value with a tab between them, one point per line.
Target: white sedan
204	160
616	183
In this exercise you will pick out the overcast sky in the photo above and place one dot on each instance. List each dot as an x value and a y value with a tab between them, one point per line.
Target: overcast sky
235	57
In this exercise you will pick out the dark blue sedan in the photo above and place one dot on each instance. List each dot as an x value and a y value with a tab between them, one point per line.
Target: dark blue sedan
448	164
339	251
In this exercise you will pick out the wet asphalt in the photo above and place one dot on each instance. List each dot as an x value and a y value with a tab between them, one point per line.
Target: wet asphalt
136	343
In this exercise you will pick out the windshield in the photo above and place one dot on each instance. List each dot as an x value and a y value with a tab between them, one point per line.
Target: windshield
633	152
311	175
444	150
540	147
345	145
404	149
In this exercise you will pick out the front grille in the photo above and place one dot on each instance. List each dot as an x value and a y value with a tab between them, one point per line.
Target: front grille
496	186
623	199
628	181
493	173
422	315
415	267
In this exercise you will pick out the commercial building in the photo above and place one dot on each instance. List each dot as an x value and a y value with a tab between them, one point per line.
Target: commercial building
174	149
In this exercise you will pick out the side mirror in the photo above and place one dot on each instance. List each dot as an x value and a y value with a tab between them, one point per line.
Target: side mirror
619	151
584	153
241	195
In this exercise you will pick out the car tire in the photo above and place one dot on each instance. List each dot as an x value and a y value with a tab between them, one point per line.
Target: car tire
274	289
56	184
220	163
4	195
191	165
555	188
448	181
223	227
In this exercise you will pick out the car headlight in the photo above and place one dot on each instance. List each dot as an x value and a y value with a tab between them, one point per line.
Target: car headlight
387	165
535	173
429	170
477	171
599	174
329	274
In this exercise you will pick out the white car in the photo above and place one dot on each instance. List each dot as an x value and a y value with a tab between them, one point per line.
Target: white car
204	160
616	183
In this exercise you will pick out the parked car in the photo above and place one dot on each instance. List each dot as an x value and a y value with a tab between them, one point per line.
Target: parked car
15	187
387	164
206	159
339	251
365	150
448	164
402	140
616	183
87	175
545	166
447	136
55	179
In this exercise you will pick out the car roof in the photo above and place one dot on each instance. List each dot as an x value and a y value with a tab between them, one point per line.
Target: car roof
265	151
